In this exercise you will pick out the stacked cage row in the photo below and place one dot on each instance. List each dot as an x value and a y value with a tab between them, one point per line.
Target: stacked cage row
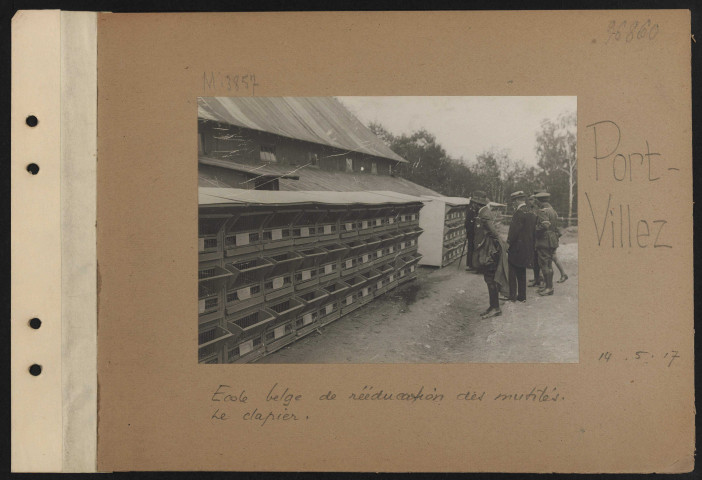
270	274
443	218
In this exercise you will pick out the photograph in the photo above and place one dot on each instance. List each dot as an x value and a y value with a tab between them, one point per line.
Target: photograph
352	230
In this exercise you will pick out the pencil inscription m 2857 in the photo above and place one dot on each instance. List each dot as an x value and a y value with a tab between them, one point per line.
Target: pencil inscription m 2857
235	82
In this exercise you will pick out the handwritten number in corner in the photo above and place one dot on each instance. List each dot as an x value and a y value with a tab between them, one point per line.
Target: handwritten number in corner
636	30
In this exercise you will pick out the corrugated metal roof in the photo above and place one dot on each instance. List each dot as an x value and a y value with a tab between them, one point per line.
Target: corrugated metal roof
259	170
205	180
229	196
321	120
312	178
315	179
450	200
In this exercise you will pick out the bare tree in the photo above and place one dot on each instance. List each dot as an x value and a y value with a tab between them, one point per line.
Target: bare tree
556	151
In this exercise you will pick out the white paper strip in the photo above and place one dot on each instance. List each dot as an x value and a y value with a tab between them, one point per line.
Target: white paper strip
78	238
244	293
245	347
242	239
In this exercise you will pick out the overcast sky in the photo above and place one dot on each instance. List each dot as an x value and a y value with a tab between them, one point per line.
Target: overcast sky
466	126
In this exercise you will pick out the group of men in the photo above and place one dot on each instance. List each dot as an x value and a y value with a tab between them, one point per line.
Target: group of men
532	241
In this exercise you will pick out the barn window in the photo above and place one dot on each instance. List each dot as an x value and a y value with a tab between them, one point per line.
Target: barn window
266	183
349	165
313	159
268	153
374	168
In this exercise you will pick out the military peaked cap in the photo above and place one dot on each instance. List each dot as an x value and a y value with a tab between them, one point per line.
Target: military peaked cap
479	197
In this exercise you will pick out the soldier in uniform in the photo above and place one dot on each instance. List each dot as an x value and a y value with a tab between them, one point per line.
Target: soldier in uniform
546	240
538	281
471	214
534	211
485	254
520	246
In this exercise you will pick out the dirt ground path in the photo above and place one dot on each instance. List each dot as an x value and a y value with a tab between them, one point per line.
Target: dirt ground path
436	319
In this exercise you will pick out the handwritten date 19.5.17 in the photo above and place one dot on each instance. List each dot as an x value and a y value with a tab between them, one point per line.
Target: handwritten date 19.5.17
630	31
641	356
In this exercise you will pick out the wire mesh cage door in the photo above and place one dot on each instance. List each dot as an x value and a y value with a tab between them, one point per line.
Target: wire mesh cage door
244	234
211	236
277	231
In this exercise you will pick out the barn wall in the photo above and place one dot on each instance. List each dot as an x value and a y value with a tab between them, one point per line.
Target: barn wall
244	146
208	174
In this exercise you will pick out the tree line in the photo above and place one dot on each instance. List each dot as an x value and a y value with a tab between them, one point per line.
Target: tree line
494	171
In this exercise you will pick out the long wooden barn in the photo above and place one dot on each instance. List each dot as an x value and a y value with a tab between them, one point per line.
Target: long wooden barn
302	220
283	143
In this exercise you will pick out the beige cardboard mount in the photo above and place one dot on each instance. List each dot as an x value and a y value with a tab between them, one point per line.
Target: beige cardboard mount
116	300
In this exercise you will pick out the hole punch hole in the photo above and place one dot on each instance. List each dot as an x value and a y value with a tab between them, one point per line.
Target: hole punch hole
32	121
35	323
33	168
35	370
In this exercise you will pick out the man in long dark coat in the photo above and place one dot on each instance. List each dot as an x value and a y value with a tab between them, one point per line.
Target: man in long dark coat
520	246
486	239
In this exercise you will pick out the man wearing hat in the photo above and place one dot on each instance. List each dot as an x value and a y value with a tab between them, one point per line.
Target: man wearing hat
546	239
487	250
520	246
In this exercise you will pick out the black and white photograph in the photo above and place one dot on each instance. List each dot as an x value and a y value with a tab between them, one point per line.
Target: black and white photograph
387	230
